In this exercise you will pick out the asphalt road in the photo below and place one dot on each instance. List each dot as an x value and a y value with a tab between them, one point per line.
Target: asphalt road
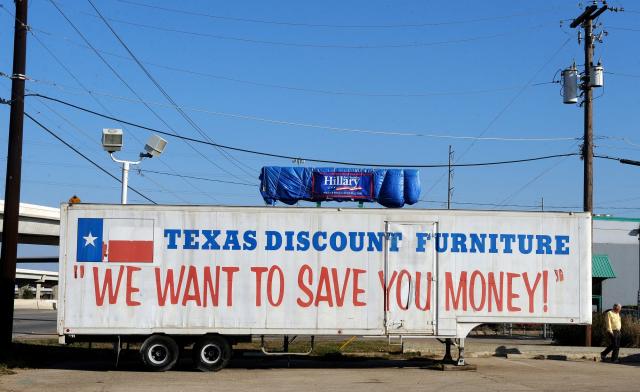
34	323
260	374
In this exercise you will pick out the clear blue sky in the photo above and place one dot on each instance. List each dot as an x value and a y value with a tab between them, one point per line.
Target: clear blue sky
464	68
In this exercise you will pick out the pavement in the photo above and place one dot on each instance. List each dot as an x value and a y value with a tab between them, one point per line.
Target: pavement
531	348
268	374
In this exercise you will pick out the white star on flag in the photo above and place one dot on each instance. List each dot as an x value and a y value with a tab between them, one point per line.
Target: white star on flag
89	240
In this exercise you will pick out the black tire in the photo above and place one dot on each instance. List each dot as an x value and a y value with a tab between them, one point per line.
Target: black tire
159	353
211	353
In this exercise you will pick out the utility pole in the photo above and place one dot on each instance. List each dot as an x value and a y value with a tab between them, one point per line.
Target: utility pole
450	179
12	185
585	20
587	147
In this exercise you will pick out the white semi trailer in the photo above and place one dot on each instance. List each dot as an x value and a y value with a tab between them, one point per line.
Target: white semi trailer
171	276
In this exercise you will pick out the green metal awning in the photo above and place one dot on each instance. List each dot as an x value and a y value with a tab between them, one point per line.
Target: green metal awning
601	267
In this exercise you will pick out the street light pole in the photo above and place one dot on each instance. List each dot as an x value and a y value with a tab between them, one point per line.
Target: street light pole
125	175
112	141
125	182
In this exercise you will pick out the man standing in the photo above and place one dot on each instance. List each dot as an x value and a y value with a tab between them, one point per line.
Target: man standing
613	325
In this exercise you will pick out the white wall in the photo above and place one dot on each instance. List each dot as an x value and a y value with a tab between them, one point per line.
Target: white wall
618	240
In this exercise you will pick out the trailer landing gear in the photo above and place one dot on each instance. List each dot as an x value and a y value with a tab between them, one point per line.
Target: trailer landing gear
461	353
448	359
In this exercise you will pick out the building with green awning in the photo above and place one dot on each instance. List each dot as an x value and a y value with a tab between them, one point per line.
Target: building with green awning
616	261
600	270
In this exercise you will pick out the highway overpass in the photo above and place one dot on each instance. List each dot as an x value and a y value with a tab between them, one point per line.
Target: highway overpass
39	225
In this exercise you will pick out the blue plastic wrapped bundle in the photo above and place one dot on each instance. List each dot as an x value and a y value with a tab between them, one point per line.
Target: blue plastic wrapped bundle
285	184
390	187
411	186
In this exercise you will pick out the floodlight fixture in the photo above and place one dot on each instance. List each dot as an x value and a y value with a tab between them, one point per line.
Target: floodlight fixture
155	146
112	139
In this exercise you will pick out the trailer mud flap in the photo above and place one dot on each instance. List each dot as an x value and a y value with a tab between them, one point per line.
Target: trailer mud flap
410	302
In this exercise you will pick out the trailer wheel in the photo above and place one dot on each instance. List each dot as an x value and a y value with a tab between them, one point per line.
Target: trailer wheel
211	353
159	353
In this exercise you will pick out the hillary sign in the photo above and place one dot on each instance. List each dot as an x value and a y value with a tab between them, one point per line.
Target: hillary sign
342	185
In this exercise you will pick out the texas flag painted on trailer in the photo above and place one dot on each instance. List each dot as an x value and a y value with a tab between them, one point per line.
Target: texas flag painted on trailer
115	240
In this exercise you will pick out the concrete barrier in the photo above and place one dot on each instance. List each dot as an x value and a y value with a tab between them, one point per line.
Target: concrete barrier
35	304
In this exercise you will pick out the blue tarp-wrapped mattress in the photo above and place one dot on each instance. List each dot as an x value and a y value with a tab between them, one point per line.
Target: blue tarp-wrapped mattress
390	187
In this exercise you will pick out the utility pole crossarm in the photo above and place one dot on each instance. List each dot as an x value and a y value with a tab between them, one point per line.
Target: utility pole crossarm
586	14
599	12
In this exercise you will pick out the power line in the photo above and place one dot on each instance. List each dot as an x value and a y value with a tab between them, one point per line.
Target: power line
82	85
85	157
184	115
319	91
558	207
623	28
625	140
196	178
507	106
516	96
318	126
131	89
288	87
73	125
606	157
486	204
88	91
291	157
606	146
90	142
622	74
247	184
140	171
102	106
347	26
295	88
323	45
534	179
373	94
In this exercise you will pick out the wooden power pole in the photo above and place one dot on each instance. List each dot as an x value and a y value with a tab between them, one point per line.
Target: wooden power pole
12	184
586	21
